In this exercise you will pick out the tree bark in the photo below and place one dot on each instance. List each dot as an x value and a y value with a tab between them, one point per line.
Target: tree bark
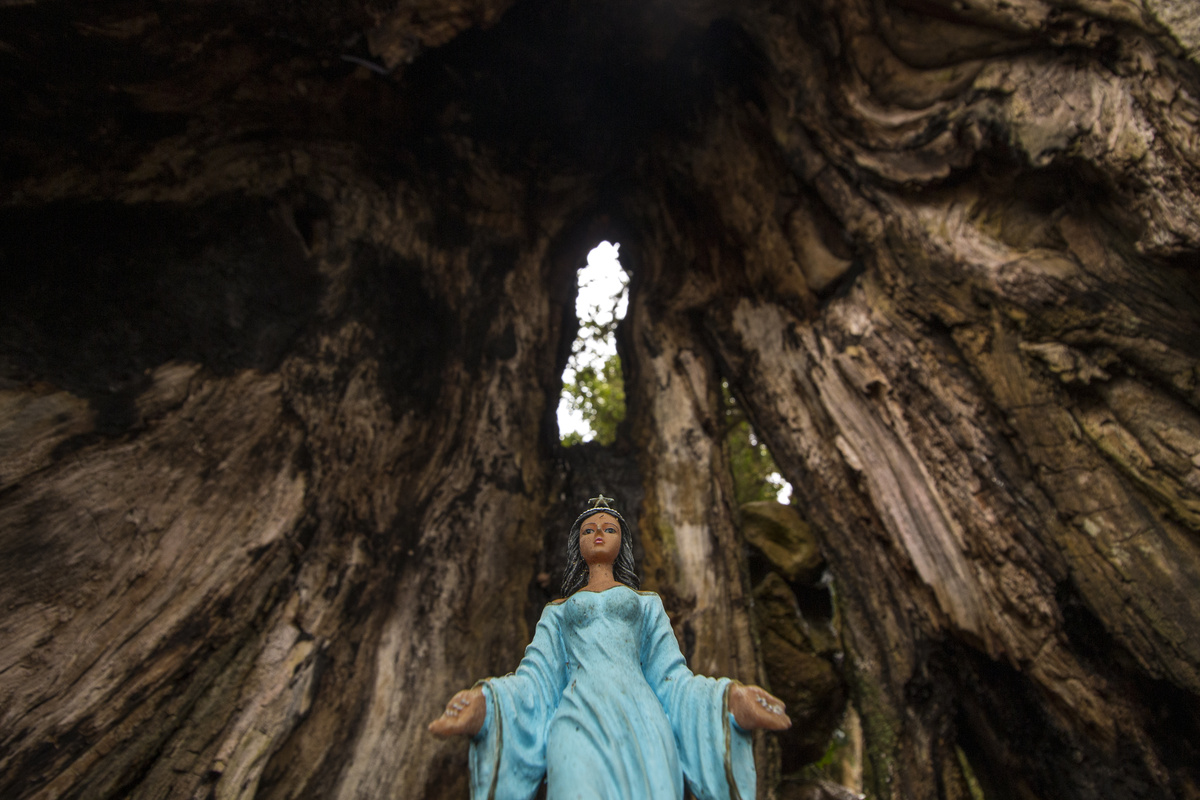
958	420
286	298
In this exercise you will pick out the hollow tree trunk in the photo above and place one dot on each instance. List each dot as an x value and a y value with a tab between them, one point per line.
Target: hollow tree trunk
999	447
249	590
285	301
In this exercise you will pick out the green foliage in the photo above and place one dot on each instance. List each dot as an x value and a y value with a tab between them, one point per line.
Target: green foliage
755	476
596	389
599	395
824	768
969	775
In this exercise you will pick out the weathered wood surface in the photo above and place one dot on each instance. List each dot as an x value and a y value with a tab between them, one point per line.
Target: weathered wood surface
280	336
222	599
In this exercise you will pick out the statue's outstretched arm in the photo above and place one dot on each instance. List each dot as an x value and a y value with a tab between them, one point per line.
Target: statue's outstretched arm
755	708
464	714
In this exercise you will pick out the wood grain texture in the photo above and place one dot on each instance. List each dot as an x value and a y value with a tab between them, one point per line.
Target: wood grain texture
285	295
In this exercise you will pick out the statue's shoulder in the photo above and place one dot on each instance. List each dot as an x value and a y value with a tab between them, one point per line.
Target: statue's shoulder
649	600
557	602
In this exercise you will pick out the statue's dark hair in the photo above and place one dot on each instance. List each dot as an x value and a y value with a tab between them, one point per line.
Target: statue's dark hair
575	577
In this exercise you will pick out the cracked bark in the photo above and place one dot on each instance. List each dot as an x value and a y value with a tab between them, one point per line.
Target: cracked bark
280	342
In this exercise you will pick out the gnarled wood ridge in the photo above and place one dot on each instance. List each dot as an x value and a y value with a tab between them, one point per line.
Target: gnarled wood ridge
287	289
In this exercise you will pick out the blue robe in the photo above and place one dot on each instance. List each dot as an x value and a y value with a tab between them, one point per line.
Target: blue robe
604	706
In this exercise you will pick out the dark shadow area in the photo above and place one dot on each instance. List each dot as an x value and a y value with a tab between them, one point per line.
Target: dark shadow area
1172	715
1014	746
585	86
414	331
92	297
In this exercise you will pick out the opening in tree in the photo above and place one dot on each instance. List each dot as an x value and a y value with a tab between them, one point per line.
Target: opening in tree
593	396
755	475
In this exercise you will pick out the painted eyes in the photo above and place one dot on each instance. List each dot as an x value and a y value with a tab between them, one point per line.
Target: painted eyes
590	531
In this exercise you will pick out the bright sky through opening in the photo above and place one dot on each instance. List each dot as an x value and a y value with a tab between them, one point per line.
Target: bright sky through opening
600	282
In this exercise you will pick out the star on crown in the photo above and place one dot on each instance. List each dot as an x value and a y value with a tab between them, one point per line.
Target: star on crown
600	502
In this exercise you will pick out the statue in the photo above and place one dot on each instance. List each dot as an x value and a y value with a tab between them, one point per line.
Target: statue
603	704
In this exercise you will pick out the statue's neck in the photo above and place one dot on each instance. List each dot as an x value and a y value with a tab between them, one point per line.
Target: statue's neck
600	577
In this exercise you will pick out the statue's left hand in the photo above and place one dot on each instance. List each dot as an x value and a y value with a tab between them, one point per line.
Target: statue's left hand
464	714
754	707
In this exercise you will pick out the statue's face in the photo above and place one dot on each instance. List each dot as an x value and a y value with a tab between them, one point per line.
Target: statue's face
600	538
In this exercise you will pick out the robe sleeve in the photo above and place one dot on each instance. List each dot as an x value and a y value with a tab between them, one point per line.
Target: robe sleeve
715	752
508	755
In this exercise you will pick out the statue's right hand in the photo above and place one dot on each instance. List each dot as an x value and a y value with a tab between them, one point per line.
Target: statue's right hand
464	714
